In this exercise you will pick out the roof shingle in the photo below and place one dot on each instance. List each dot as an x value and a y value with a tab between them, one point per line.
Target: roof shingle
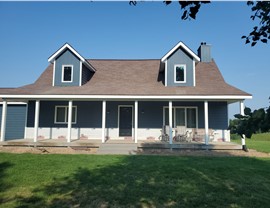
132	77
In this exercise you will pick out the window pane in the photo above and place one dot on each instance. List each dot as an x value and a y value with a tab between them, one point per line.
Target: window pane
60	114
180	117
67	73
191	118
179	74
167	117
74	114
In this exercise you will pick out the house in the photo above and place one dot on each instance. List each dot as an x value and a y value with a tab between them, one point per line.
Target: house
78	98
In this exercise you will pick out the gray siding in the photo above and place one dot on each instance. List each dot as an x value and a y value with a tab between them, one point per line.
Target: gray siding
180	57
204	53
88	114
67	58
151	114
15	123
86	74
218	115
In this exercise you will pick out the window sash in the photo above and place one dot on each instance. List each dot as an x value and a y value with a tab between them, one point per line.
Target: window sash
61	114
67	73
191	118
180	73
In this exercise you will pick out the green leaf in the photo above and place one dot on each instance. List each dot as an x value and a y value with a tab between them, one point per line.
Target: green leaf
253	44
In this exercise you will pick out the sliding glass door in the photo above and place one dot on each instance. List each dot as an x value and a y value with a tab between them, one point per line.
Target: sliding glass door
181	116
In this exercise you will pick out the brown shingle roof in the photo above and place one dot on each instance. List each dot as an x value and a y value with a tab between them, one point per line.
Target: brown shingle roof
133	77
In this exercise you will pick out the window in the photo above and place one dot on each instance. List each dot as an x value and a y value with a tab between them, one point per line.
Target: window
191	118
67	73
179	73
61	114
181	116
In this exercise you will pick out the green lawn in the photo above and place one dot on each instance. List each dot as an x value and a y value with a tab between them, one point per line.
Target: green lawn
259	142
29	180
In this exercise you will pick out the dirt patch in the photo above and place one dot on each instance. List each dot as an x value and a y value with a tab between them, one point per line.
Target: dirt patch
82	150
48	150
216	153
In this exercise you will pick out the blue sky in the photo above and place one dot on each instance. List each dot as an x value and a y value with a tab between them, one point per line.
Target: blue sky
31	31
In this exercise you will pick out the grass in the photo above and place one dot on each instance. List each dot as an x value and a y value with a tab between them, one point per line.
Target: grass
29	180
259	142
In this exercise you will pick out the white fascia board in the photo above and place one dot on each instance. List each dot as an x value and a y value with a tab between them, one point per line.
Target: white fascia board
14	103
176	47
52	57
131	97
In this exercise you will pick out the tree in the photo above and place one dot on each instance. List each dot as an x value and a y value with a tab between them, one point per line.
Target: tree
245	124
254	122
261	32
260	9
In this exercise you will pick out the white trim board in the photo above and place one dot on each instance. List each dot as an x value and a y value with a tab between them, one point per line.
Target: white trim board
180	44
14	103
67	46
235	98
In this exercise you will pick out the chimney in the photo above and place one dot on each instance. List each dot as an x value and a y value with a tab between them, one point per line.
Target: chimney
204	52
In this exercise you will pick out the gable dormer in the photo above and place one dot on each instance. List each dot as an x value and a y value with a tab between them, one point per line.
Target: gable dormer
180	66
70	68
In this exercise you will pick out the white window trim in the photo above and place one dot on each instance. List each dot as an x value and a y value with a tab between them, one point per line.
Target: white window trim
63	67
194	75
53	82
174	112
66	114
185	74
166	65
80	74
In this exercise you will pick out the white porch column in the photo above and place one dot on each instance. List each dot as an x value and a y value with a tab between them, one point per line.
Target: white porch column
103	120
243	137
206	122
136	122
69	120
242	108
37	107
4	120
170	121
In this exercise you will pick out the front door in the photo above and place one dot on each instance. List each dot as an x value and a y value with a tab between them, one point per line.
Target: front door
125	121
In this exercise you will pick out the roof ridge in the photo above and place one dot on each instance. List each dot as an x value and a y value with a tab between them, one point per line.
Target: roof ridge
123	59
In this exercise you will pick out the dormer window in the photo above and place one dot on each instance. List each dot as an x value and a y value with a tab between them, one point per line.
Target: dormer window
180	73
67	73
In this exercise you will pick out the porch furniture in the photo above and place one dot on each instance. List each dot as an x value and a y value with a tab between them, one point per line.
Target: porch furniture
165	135
182	134
199	135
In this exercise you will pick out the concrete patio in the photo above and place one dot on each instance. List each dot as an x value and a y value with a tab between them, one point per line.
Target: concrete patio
143	144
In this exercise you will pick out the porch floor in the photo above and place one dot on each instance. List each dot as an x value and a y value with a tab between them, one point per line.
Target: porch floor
142	144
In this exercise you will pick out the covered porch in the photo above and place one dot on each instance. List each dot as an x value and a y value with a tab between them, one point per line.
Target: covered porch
140	121
96	143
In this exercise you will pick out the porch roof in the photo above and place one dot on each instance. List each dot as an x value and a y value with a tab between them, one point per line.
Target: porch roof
131	78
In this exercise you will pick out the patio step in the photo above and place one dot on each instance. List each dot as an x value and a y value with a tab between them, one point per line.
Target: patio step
191	146
117	149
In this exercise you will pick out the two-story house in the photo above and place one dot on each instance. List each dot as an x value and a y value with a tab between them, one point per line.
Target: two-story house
78	98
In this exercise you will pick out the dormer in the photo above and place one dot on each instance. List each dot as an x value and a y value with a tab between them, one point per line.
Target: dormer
70	68
180	64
